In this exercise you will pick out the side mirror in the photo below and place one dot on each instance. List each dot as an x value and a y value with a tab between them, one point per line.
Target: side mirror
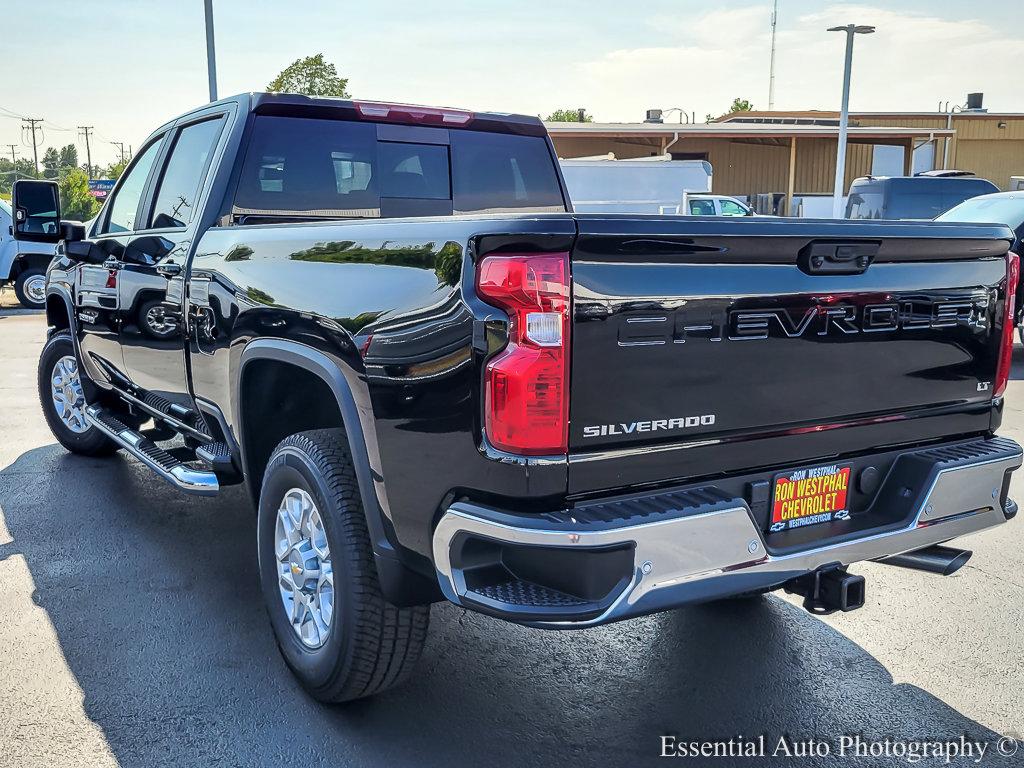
36	206
148	250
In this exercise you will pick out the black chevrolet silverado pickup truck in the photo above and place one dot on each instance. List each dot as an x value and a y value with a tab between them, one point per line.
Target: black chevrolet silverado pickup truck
437	381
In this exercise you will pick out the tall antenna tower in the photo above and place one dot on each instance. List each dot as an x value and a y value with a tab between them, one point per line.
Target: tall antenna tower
771	64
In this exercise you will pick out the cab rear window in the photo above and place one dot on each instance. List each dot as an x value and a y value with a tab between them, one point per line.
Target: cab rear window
341	169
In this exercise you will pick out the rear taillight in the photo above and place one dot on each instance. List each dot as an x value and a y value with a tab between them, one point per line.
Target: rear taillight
526	386
1006	349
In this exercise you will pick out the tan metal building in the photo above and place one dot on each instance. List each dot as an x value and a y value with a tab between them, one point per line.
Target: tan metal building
793	153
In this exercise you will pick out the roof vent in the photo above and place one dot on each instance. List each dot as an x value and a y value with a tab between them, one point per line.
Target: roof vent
653	116
974	102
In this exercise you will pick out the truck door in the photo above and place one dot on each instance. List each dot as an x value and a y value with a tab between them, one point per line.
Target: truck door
97	306
151	276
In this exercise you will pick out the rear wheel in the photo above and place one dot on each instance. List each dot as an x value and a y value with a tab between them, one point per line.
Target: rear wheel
336	631
30	288
64	393
154	320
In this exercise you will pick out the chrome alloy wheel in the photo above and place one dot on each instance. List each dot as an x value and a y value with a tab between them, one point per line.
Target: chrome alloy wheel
305	573
35	288
68	395
158	322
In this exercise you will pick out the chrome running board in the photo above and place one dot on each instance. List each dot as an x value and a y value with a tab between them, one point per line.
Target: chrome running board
178	474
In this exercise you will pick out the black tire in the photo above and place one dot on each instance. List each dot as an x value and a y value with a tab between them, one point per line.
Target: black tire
20	289
91	442
372	645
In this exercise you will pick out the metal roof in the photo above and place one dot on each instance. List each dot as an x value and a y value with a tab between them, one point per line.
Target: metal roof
735	130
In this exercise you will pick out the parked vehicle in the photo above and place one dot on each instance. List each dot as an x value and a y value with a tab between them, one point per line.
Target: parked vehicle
633	186
438	381
911	197
1002	208
23	264
713	205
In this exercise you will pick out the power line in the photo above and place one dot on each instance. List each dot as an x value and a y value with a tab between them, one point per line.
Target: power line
53	126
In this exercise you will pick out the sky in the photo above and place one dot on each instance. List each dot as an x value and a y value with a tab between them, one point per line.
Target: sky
126	66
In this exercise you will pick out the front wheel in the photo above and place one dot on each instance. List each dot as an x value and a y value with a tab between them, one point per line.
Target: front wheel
64	393
30	288
336	631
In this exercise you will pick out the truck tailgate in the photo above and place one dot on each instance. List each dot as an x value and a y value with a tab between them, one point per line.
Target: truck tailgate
702	346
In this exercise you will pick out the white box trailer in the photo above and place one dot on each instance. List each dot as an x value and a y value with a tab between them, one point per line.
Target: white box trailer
643	185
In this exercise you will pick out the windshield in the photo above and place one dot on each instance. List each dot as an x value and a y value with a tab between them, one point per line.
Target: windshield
988	210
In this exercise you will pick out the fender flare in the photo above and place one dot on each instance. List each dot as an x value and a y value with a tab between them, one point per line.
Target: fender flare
61	291
400	584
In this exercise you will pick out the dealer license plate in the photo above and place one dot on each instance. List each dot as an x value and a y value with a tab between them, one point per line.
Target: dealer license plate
810	496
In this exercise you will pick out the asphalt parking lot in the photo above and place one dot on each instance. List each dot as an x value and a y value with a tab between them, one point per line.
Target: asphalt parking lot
132	633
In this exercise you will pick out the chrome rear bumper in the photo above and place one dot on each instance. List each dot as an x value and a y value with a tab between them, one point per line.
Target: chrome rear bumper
714	549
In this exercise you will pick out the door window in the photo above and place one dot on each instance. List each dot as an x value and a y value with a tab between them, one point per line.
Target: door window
184	173
702	208
125	205
731	208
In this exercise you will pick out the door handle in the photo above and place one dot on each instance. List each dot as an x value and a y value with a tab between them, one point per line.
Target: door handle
170	269
836	257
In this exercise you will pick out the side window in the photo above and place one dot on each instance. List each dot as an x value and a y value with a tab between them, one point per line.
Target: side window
304	165
495	172
184	174
729	208
702	207
126	200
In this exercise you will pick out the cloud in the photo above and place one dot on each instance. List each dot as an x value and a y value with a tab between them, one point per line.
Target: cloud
912	62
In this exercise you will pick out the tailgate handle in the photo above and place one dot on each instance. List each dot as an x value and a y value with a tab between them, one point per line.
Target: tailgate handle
836	258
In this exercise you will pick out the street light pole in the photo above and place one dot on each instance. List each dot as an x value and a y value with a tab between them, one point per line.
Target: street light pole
211	56
844	115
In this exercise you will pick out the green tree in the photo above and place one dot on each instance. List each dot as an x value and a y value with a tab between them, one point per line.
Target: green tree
311	76
51	163
569	116
114	170
76	204
738	105
68	156
10	172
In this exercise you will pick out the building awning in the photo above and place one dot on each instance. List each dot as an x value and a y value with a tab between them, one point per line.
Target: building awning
745	131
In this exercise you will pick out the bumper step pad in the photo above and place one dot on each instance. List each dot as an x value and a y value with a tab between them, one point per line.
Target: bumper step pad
605	560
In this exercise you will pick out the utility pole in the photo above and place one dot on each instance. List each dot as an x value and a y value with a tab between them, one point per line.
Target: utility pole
844	115
211	55
31	124
14	157
771	61
88	156
120	146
